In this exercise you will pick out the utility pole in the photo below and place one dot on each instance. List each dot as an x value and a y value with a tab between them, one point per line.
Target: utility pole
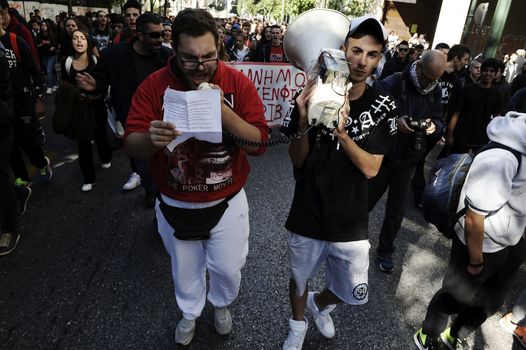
469	20
497	26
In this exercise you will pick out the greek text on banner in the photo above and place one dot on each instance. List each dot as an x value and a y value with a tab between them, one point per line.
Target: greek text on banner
276	83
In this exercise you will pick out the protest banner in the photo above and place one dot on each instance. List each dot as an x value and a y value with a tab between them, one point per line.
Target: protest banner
276	83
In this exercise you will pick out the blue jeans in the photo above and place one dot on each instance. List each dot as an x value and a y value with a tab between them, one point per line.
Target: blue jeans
48	62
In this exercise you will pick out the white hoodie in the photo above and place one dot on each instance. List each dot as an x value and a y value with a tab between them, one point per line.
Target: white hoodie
496	186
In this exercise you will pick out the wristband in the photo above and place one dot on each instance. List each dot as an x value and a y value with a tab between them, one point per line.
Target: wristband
476	265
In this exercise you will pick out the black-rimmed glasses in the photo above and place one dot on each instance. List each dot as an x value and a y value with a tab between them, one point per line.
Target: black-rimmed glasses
194	64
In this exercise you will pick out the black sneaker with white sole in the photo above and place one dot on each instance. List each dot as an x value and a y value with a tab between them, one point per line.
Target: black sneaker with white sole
8	242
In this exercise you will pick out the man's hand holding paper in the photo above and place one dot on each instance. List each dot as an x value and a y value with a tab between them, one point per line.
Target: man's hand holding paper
162	133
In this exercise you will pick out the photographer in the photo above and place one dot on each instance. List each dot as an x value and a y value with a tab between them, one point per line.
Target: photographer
419	98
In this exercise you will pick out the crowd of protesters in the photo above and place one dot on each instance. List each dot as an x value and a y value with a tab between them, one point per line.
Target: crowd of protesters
99	61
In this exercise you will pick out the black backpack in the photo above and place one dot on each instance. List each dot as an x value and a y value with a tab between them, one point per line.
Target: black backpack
441	195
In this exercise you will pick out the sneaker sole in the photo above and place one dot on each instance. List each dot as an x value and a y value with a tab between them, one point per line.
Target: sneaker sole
417	342
24	206
14	247
445	342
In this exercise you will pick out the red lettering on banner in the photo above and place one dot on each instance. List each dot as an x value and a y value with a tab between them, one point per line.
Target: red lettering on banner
255	75
284	75
301	81
269	77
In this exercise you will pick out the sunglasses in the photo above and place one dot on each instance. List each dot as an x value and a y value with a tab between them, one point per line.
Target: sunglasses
154	35
403	50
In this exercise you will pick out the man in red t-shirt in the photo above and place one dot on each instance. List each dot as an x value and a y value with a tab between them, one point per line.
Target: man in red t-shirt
202	210
273	51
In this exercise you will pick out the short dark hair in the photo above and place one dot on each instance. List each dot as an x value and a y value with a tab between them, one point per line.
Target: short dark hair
502	66
118	19
403	42
490	63
457	51
4	4
419	47
276	26
145	19
194	22
132	4
441	46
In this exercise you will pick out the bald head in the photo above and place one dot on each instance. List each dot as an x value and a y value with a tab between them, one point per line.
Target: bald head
433	64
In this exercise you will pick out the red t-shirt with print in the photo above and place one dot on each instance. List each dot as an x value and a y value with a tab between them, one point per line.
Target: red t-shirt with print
198	171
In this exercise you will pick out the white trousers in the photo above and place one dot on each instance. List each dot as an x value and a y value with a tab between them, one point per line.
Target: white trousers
223	255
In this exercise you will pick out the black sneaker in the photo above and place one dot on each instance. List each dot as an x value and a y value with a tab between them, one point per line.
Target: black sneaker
22	194
8	242
385	263
423	342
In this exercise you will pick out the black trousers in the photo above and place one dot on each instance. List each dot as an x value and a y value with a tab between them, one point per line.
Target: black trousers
398	179
8	201
103	147
473	298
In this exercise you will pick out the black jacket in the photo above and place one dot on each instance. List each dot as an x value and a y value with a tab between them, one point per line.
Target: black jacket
27	77
7	115
418	107
116	68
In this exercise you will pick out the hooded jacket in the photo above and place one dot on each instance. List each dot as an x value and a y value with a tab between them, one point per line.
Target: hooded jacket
496	185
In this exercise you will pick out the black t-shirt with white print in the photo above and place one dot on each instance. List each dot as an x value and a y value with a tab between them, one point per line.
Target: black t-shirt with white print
330	197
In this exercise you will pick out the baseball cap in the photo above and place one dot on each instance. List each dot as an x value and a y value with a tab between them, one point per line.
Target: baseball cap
236	26
368	24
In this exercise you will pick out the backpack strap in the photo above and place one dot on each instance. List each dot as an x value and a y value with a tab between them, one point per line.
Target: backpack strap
68	63
493	144
488	146
14	45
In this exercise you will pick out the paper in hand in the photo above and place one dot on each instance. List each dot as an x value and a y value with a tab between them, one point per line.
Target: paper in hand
195	113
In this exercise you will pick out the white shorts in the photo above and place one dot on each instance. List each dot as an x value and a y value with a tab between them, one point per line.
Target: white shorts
347	265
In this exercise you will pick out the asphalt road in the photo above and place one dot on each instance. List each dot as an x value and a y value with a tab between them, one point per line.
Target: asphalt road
91	273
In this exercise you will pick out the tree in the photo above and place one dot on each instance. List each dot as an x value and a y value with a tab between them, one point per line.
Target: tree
352	8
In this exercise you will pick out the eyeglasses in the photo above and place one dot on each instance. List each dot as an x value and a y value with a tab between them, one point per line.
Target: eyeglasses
154	35
194	64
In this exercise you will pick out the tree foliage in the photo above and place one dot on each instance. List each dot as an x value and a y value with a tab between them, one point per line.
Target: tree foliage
273	8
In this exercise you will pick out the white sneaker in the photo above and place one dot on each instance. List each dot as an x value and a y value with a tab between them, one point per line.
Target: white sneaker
184	333
87	187
222	320
54	88
49	91
296	336
106	165
133	182
322	318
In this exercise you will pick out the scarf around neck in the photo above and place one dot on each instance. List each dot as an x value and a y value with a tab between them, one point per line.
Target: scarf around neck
416	83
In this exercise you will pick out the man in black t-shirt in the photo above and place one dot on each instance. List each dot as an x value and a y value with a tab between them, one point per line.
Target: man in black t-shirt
477	105
123	67
328	217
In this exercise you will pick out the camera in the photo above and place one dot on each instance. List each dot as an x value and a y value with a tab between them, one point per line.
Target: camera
419	136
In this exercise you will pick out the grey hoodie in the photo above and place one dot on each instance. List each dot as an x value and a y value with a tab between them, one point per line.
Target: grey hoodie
496	186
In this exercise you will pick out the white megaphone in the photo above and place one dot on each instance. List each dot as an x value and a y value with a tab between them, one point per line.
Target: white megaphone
312	44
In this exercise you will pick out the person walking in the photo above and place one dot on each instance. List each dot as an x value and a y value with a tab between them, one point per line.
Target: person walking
202	209
79	63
